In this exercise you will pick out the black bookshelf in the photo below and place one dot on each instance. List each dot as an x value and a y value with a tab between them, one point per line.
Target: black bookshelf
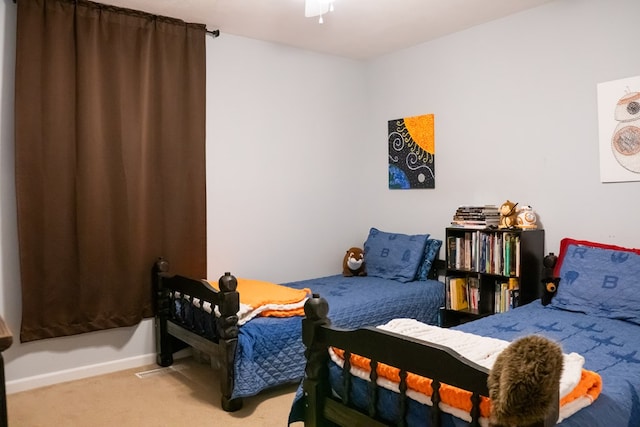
504	278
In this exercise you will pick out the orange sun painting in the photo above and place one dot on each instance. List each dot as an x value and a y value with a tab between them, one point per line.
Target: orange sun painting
412	152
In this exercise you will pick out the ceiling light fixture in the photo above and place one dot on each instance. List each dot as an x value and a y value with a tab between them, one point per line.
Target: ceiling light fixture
317	8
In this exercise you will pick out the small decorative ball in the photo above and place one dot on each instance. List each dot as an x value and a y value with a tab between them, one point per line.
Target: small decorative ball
526	218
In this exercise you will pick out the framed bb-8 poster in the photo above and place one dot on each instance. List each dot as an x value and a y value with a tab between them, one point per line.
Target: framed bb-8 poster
619	130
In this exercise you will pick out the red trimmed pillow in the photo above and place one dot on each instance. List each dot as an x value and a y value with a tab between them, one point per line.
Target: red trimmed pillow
599	280
564	243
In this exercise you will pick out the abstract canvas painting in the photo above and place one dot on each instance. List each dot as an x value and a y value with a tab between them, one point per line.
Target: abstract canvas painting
619	130
412	152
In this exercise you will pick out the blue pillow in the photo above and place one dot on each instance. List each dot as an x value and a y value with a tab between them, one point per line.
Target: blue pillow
393	255
431	251
599	280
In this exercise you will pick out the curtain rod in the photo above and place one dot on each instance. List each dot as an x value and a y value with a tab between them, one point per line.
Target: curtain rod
212	33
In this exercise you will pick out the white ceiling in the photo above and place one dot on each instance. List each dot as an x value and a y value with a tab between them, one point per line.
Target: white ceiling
360	29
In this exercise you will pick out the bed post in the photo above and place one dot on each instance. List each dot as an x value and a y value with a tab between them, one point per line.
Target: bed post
316	382
164	355
227	329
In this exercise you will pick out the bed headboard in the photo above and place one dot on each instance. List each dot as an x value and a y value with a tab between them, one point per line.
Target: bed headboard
438	269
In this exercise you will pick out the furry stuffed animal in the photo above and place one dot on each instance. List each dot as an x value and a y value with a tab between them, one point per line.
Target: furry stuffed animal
524	383
353	263
508	215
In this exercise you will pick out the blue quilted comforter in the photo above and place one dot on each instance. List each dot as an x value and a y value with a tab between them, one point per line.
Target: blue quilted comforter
270	350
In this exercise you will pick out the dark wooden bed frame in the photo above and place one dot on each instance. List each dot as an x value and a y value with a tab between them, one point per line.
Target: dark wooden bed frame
437	362
172	333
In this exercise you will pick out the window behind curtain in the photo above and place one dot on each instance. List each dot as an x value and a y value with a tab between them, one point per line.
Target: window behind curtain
110	173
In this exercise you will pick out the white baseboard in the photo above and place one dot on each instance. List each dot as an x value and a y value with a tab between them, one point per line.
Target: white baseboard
80	372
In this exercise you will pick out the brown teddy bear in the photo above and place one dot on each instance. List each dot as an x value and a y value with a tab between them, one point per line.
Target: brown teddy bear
508	215
524	383
353	263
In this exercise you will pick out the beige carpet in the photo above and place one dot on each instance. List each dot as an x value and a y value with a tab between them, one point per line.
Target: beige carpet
187	395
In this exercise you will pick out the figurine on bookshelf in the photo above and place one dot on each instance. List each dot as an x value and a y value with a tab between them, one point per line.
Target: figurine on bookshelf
526	218
508	215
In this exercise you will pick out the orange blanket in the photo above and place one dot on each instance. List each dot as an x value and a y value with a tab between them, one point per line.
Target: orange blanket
590	384
260	298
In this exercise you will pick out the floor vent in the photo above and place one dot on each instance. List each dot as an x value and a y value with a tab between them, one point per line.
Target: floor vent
161	371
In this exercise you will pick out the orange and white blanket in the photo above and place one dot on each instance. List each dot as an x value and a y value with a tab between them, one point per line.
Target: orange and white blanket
578	387
259	298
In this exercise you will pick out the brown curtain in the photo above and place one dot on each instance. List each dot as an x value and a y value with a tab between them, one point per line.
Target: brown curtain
110	173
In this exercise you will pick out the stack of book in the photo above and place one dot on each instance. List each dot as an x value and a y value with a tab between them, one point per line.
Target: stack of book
476	217
507	295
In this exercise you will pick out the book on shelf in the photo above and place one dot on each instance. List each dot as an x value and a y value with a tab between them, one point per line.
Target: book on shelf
475	252
459	252
506	254
507	295
458	292
517	254
497	259
473	292
467	250
451	252
483	262
504	296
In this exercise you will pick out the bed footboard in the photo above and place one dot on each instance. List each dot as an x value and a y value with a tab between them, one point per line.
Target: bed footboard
173	332
440	363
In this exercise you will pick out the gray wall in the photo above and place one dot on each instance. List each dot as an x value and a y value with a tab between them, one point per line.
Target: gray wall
515	118
285	131
297	153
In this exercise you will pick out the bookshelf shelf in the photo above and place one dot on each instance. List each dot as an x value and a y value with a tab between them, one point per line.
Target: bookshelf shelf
490	271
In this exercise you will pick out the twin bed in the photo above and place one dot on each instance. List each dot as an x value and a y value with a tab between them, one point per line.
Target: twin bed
595	317
257	344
